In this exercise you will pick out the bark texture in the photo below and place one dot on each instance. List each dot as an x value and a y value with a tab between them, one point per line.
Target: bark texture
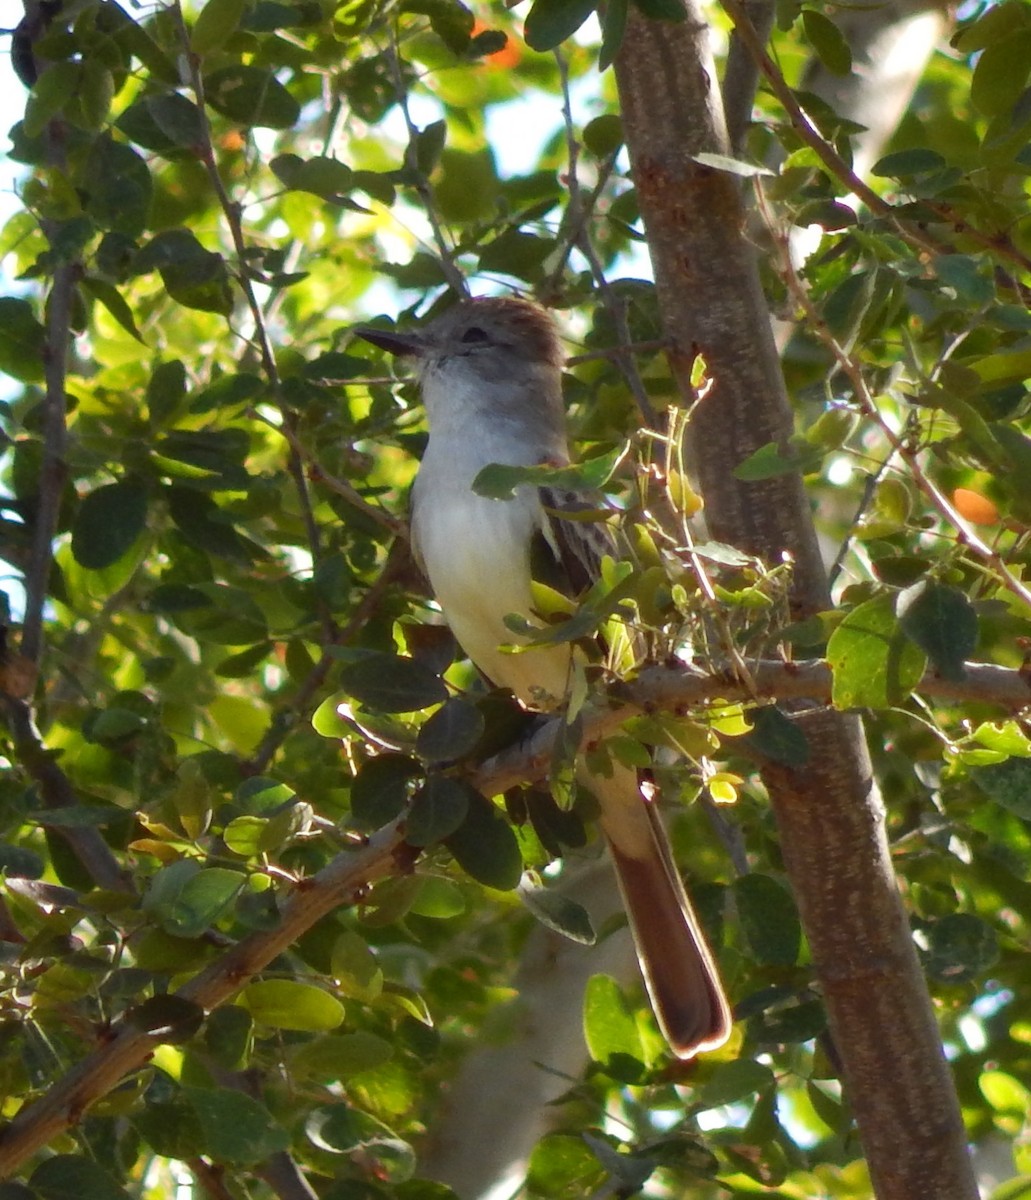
829	814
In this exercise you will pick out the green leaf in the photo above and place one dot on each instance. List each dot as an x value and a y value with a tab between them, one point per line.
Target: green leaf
1001	74
379	792
391	684
117	187
613	26
498	481
186	900
108	524
69	1177
828	42
322	176
960	947
874	664
769	461
451	21
110	297
775	736
215	24
610	1029
22	341
336	1057
735	1081
942	622
343	1129
550	22
486	848
560	914
451	732
235	1127
429	145
1007	783
251	96
769	919
171	1128
291	1004
438	809
903	164
604	135
355	968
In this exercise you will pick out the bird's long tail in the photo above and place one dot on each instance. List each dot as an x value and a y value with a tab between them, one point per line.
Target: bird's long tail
679	972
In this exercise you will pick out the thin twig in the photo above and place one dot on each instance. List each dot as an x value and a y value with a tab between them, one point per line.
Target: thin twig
53	470
579	216
452	274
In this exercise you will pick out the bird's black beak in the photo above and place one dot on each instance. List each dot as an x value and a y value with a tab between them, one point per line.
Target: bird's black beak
391	340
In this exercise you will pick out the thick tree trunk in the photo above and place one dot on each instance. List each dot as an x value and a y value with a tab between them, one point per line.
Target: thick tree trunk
829	814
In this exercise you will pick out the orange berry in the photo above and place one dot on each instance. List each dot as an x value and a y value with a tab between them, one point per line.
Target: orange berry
974	507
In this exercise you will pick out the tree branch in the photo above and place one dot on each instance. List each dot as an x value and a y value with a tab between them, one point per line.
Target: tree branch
128	1047
829	814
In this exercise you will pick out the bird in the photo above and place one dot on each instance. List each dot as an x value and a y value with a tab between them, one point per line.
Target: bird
489	371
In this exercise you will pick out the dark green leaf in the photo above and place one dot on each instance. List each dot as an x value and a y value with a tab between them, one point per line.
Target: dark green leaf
613	26
775	736
109	522
452	731
110	297
604	135
874	664
392	684
942	622
1008	783
178	119
251	96
216	22
171	1128
828	42
186	900
486	848
227	1035
1001	73
118	187
498	481
450	20
769	461
559	913
734	1081
22	339
379	792
769	919
960	947
166	391
70	1177
438	808
550	22
903	164
235	1128
429	145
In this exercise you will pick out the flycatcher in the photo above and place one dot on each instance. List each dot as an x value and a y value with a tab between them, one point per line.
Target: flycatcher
489	371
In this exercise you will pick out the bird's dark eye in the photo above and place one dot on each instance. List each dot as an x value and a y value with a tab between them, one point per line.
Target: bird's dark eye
474	334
